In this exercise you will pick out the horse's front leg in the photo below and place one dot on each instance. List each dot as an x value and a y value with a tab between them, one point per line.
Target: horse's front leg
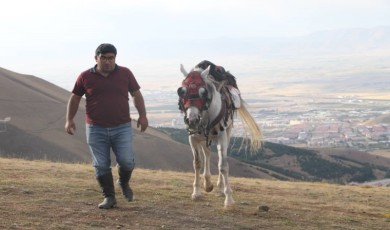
220	185
223	167
220	182
197	162
208	185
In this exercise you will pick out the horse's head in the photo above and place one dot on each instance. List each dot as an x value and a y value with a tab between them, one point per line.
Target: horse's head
194	96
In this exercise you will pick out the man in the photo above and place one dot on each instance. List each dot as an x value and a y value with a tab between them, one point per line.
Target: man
219	74
106	87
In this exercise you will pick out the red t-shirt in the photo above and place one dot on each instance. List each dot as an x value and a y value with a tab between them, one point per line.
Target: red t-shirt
107	98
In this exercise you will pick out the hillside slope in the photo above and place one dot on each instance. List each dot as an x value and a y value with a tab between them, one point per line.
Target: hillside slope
37	110
48	195
36	130
291	163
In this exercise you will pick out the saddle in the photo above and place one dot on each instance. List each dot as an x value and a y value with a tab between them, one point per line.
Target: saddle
218	72
231	93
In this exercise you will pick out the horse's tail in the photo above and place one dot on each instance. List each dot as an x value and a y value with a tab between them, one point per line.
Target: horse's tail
251	127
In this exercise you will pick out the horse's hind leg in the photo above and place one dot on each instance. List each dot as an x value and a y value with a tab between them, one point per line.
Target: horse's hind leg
208	185
196	194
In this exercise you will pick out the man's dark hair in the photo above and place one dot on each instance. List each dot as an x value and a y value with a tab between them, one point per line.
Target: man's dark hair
105	48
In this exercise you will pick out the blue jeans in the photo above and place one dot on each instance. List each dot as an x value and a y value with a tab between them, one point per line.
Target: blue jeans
101	140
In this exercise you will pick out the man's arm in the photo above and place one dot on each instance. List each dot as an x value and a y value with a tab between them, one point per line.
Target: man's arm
139	104
71	110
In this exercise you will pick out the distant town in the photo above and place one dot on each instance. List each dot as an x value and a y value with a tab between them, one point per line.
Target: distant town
345	122
314	123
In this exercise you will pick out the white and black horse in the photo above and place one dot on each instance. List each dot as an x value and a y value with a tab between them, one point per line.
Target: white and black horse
209	115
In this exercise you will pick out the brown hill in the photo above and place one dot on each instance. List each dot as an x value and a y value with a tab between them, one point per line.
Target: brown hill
37	111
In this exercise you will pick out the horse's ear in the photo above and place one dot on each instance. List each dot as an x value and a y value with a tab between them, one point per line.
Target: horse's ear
205	73
183	70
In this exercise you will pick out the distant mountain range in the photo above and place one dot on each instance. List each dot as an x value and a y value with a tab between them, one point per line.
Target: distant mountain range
36	109
342	41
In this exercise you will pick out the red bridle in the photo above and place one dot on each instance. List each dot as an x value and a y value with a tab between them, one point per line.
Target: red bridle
192	92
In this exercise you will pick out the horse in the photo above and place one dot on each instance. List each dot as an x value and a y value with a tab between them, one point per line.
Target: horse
209	115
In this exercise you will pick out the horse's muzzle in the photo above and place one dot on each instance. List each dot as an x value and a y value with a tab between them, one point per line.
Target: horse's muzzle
192	118
192	123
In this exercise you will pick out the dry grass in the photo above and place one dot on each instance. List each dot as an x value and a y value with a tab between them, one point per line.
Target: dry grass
46	195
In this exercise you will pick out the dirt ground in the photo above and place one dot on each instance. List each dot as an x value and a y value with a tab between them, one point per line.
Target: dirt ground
47	195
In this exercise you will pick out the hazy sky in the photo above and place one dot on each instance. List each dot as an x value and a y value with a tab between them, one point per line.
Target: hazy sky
55	40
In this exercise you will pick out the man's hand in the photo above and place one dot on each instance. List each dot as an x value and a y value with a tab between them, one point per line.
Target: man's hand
70	127
143	122
71	110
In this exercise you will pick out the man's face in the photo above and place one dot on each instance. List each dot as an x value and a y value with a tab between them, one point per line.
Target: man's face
106	62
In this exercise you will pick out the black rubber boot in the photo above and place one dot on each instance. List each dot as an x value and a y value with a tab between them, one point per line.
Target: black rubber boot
106	183
123	181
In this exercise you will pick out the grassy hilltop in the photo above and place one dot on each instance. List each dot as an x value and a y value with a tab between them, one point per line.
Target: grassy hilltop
47	195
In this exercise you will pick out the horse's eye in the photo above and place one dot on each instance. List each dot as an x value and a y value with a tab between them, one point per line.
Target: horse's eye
202	93
182	92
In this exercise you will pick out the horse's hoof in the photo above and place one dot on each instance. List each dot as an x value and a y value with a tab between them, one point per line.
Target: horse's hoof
229	207
209	188
229	204
196	197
